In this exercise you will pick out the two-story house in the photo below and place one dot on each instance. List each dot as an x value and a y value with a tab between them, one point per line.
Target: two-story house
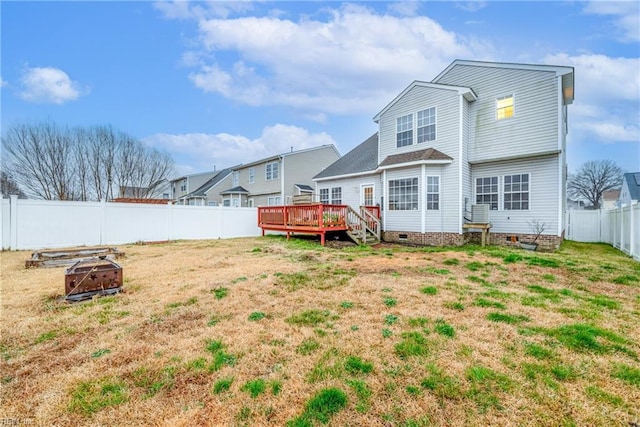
186	184
480	133
630	191
275	180
208	194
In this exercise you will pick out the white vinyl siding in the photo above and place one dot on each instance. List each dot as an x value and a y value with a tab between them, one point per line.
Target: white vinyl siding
352	189
533	129
543	194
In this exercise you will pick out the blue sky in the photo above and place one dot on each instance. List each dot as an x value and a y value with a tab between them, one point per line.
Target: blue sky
217	84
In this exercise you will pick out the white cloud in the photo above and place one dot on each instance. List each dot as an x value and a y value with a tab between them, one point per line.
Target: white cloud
471	6
183	9
49	85
203	151
607	96
404	8
626	17
3	83
346	64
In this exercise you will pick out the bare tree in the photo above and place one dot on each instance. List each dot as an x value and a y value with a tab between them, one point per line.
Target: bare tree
54	163
9	187
594	178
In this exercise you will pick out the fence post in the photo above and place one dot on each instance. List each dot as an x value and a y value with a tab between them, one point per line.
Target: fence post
169	221
13	221
631	232
103	222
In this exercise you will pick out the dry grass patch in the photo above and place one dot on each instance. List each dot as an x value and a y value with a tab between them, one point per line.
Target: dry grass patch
269	332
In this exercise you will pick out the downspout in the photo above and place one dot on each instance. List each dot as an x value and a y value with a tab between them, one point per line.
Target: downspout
460	161
282	199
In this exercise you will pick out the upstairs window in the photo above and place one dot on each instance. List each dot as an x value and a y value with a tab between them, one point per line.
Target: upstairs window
252	175
487	192
271	171
403	194
504	107
404	130
516	192
426	125
433	193
235	179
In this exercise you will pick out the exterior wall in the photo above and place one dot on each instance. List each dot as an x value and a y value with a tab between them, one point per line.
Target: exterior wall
351	188
300	167
543	194
293	168
534	126
417	99
213	194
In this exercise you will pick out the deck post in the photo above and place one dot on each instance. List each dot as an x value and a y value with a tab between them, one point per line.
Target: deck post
322	238
288	234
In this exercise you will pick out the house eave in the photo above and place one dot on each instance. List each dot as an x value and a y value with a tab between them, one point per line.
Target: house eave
416	163
520	157
347	175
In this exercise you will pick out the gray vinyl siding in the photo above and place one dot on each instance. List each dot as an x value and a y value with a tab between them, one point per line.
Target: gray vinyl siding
533	128
301	167
417	99
351	188
543	194
196	181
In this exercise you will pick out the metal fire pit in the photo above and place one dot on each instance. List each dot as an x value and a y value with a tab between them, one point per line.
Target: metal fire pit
92	276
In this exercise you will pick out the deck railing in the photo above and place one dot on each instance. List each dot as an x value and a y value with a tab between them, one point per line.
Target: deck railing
311	215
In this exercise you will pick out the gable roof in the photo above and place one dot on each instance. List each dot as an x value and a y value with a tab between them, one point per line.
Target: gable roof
633	183
235	190
288	153
212	182
464	91
428	155
362	159
304	187
567	73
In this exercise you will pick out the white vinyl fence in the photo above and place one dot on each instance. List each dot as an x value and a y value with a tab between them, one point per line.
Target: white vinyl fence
40	224
619	227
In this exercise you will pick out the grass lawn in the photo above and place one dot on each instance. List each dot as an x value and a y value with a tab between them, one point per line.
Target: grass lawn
268	332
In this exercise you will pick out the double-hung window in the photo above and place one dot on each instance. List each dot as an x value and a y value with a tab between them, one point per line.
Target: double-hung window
433	193
404	130
504	107
403	194
324	196
271	171
426	125
235	178
336	196
516	192
487	192
252	175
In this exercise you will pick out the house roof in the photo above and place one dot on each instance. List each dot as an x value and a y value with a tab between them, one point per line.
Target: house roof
235	190
633	183
464	91
429	155
363	158
304	187
212	182
567	73
289	153
611	195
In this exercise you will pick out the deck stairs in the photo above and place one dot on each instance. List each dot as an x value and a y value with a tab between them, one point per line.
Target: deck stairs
363	227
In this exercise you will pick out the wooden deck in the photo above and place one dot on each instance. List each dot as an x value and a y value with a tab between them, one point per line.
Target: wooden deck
315	218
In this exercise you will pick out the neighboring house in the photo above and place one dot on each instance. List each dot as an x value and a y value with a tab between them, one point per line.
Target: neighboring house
277	179
159	190
479	133
609	199
630	190
184	185
208	194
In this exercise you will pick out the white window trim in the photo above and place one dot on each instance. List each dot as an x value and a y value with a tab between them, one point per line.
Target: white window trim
388	201
495	109
362	187
426	192
266	169
414	127
501	191
252	175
